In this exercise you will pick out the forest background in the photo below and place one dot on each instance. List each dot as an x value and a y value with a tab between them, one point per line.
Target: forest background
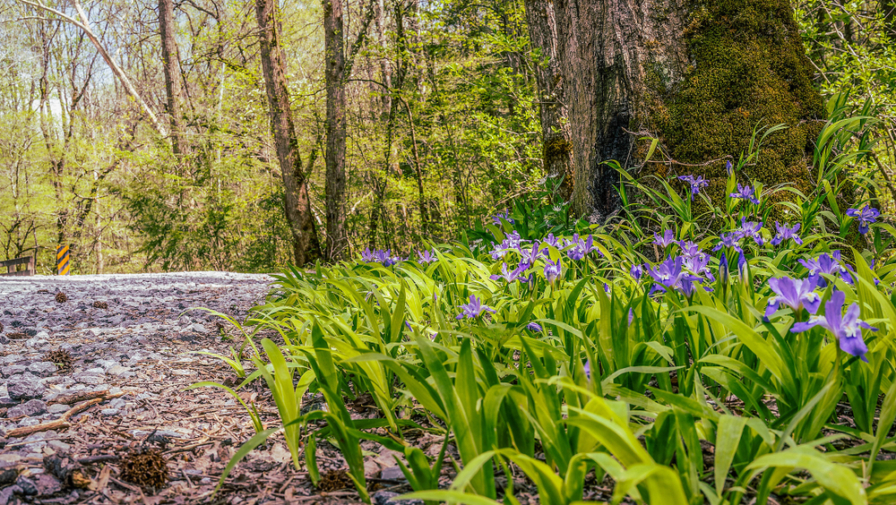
441	119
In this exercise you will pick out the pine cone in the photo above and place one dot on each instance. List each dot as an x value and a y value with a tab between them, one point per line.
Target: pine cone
1	327
100	305
145	467
61	297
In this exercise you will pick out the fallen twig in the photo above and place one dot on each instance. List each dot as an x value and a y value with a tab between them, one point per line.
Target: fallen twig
98	459
79	396
62	422
188	447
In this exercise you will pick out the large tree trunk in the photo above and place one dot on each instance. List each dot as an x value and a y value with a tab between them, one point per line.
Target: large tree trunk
700	75
557	149
334	46
306	246
170	63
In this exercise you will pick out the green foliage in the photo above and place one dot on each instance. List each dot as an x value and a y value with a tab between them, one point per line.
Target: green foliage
596	369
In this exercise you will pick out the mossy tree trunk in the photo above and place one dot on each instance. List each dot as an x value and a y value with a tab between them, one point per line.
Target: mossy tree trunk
700	75
557	155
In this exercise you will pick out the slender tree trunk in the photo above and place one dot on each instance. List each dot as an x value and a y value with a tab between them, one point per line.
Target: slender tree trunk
387	114
700	77
557	149
334	46
171	66
306	247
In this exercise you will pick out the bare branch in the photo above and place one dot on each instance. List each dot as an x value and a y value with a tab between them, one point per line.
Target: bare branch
84	24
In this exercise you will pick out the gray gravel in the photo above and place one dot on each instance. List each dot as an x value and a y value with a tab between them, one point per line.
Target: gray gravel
141	339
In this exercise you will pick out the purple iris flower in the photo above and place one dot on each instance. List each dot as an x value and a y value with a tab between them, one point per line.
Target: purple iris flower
699	265
426	257
552	270
552	241
498	253
530	255
866	216
696	183
746	193
589	246
666	240
379	256
794	293
533	326
847	328
751	229
729	167
474	309
386	258
785	233
512	240
514	275
688	248
827	264
576	253
502	215
741	263
670	274
580	247
731	239
637	272
587	368
723	268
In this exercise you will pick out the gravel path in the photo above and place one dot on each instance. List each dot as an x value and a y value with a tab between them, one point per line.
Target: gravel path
130	344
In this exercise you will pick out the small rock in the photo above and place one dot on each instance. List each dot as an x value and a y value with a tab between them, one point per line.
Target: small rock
59	445
388	498
42	368
89	379
9	459
58	408
7	493
34	448
118	370
29	487
392	473
27	409
110	412
25	387
106	364
198	328
47	485
37	343
162	433
10	370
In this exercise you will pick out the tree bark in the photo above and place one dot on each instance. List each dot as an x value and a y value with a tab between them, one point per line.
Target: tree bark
306	247
334	47
557	149
700	75
171	66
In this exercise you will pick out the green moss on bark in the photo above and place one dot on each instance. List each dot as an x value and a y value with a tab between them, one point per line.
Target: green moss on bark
748	67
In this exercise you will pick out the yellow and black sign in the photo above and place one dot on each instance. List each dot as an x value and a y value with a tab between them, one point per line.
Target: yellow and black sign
62	264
